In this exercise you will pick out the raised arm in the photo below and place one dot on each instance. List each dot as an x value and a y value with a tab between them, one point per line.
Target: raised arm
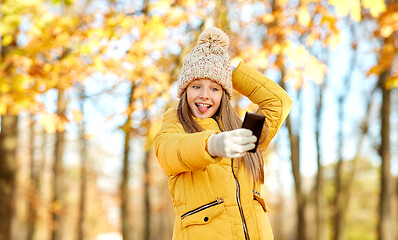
272	100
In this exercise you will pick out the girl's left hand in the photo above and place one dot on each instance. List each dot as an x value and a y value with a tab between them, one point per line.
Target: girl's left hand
231	144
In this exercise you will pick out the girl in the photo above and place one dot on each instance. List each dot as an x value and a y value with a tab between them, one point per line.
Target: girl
214	182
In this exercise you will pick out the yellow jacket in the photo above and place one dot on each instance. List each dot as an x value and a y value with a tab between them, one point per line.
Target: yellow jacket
211	197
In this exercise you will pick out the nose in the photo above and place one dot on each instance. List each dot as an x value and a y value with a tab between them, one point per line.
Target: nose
204	93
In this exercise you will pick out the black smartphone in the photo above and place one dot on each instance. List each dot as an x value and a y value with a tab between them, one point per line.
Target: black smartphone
254	122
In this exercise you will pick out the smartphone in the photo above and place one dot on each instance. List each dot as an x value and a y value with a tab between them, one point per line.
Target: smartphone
254	122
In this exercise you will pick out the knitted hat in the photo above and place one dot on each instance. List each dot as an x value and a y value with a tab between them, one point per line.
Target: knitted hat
209	59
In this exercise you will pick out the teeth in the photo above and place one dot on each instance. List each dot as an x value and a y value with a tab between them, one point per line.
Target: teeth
203	105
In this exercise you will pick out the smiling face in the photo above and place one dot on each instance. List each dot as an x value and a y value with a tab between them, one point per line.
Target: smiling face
204	97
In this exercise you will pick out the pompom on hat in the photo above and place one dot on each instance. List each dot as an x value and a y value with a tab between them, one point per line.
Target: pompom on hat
208	60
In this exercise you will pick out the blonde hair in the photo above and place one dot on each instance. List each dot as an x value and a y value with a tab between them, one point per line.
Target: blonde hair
229	121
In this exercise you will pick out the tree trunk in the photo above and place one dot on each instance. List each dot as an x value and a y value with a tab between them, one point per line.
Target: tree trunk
385	227
147	203
8	166
319	203
124	188
338	201
295	159
83	174
57	203
33	200
341	198
300	200
221	15
43	170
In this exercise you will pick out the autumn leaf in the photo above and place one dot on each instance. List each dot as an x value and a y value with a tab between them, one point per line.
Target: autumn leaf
49	122
6	40
295	77
315	70
343	8
333	40
77	115
388	21
391	82
376	7
304	17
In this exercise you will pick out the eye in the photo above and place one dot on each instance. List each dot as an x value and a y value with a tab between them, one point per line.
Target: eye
195	86
215	89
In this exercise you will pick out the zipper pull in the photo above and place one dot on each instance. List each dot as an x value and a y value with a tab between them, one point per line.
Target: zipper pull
220	200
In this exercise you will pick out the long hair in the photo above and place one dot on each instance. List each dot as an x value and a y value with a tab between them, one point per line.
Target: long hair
229	120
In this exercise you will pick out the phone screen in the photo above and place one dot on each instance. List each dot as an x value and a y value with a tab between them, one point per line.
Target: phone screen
254	122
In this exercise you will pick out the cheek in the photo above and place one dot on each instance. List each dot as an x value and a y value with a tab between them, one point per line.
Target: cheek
190	97
217	99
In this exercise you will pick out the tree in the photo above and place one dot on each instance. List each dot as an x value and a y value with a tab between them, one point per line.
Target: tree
386	34
8	166
34	194
81	221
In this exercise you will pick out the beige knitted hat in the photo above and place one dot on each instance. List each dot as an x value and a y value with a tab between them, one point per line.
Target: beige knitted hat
209	59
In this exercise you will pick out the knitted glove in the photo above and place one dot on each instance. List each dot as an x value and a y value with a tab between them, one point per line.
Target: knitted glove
231	144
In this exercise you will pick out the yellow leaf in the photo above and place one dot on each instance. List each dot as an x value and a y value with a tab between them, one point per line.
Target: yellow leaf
161	6
298	55
333	40
304	17
98	63
49	120
140	91
295	76
88	136
47	67
268	18
391	82
343	7
376	7
4	87
7	39
61	121
260	60
356	11
3	105
77	115
386	31
176	16
374	70
156	27
315	70
276	49
311	38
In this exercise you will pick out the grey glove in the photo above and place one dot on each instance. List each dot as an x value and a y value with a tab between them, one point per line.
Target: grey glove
231	144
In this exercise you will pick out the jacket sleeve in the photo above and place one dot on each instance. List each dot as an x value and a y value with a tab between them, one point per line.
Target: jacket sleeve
179	152
272	100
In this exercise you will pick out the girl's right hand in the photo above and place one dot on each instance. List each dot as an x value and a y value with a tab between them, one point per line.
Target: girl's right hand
231	144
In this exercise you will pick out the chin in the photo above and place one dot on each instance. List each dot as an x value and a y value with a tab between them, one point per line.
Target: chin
203	115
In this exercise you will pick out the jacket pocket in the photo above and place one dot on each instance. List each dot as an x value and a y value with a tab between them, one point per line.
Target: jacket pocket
261	201
203	214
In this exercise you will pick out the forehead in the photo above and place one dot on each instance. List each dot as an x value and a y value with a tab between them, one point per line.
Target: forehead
205	81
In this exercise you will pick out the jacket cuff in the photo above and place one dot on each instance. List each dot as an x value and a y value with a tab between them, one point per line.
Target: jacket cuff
194	149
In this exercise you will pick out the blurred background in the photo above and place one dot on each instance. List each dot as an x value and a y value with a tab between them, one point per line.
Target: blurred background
84	84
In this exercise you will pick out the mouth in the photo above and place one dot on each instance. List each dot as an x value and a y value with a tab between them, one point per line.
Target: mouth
203	107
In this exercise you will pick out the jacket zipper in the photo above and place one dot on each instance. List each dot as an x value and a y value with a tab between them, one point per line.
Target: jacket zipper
239	203
237	194
201	208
